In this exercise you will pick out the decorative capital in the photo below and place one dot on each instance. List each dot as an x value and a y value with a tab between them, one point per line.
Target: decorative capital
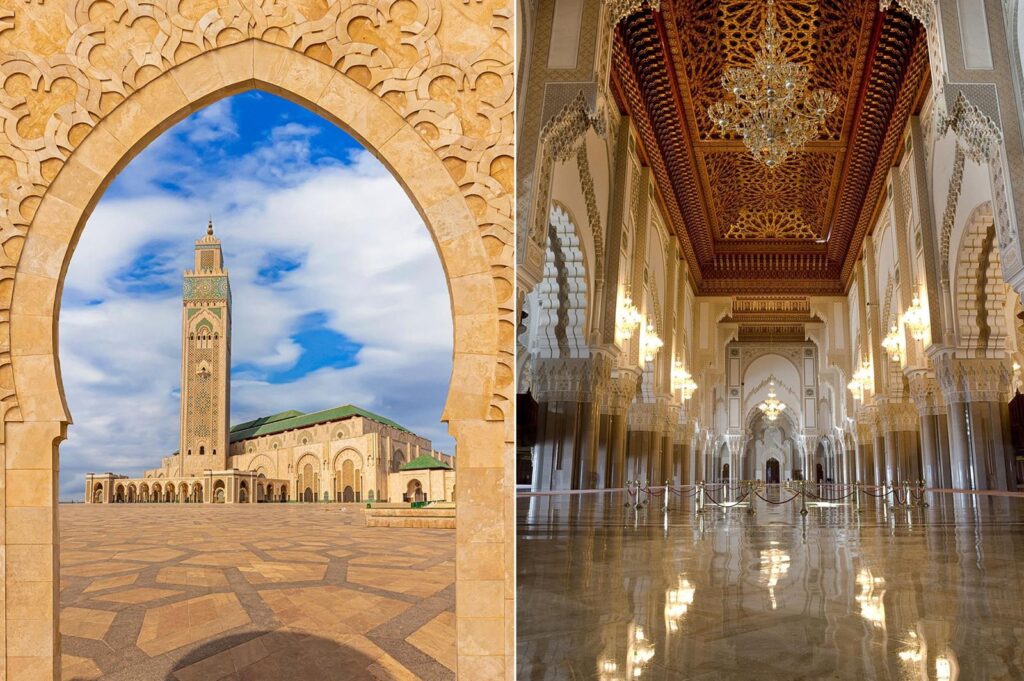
580	379
973	380
925	393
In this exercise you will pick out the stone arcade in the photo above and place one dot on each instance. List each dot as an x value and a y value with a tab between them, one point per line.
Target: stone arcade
341	454
874	278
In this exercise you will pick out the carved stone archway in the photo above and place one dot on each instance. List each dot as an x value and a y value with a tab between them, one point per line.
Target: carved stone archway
429	92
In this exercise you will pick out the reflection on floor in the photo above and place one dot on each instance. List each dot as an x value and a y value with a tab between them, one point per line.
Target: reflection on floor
610	594
265	592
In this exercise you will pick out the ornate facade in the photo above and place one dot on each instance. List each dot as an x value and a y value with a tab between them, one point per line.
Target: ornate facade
873	279
344	454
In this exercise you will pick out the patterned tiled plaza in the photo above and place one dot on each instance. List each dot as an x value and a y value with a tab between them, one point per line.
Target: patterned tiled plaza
264	592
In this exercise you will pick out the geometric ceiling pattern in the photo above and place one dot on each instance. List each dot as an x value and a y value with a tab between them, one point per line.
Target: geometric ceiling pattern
797	228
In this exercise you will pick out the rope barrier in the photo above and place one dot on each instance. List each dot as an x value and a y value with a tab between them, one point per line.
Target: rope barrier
776	503
727	503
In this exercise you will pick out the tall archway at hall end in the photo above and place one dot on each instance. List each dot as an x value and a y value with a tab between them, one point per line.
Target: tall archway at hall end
426	87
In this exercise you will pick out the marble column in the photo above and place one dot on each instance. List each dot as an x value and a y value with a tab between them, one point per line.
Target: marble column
977	394
879	458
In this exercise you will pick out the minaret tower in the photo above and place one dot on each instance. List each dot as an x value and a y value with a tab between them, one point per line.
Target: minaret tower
205	360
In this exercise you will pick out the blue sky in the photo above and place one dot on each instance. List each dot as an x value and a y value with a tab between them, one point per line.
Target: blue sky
338	294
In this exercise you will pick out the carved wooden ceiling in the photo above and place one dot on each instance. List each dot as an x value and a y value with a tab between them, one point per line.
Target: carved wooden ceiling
745	228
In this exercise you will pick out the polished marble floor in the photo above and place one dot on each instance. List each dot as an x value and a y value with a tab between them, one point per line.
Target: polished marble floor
608	593
255	593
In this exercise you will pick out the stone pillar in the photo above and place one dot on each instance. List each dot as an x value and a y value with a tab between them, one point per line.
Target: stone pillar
900	422
931	409
977	394
566	452
617	454
585	446
878	451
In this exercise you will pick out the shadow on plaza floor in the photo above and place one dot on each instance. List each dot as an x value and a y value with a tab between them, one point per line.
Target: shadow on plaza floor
276	655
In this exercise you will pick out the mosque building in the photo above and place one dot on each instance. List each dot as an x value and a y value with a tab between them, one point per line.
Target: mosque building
345	453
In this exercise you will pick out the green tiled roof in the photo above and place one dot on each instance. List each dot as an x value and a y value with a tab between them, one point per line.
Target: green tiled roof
290	420
264	420
423	462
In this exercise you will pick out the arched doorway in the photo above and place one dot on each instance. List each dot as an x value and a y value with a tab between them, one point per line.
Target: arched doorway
819	473
219	493
477	252
414	491
349	494
771	472
197	493
725	471
97	493
307	495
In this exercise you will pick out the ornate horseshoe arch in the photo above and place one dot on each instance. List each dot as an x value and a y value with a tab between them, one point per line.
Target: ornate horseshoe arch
433	106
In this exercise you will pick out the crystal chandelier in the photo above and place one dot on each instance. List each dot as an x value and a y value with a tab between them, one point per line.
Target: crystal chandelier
771	108
682	381
772	407
627	320
650	344
916	319
893	344
860	382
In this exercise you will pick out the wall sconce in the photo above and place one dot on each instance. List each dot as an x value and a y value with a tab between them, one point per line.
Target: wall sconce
916	319
893	344
650	344
860	382
627	320
682	381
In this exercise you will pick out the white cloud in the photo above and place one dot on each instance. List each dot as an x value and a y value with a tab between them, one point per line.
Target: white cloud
364	260
212	124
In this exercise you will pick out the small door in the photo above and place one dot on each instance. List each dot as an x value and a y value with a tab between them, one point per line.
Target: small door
771	473
819	473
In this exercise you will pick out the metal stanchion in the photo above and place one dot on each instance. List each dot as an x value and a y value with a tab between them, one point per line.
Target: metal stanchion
803	497
922	485
907	500
700	498
856	496
664	505
647	486
750	493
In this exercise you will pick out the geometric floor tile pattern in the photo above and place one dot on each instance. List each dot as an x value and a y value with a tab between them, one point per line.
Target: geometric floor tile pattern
268	592
604	592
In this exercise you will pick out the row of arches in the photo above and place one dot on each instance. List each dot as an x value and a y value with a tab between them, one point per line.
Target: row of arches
188	493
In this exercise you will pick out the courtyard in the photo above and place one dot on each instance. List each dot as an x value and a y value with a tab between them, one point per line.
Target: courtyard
256	592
